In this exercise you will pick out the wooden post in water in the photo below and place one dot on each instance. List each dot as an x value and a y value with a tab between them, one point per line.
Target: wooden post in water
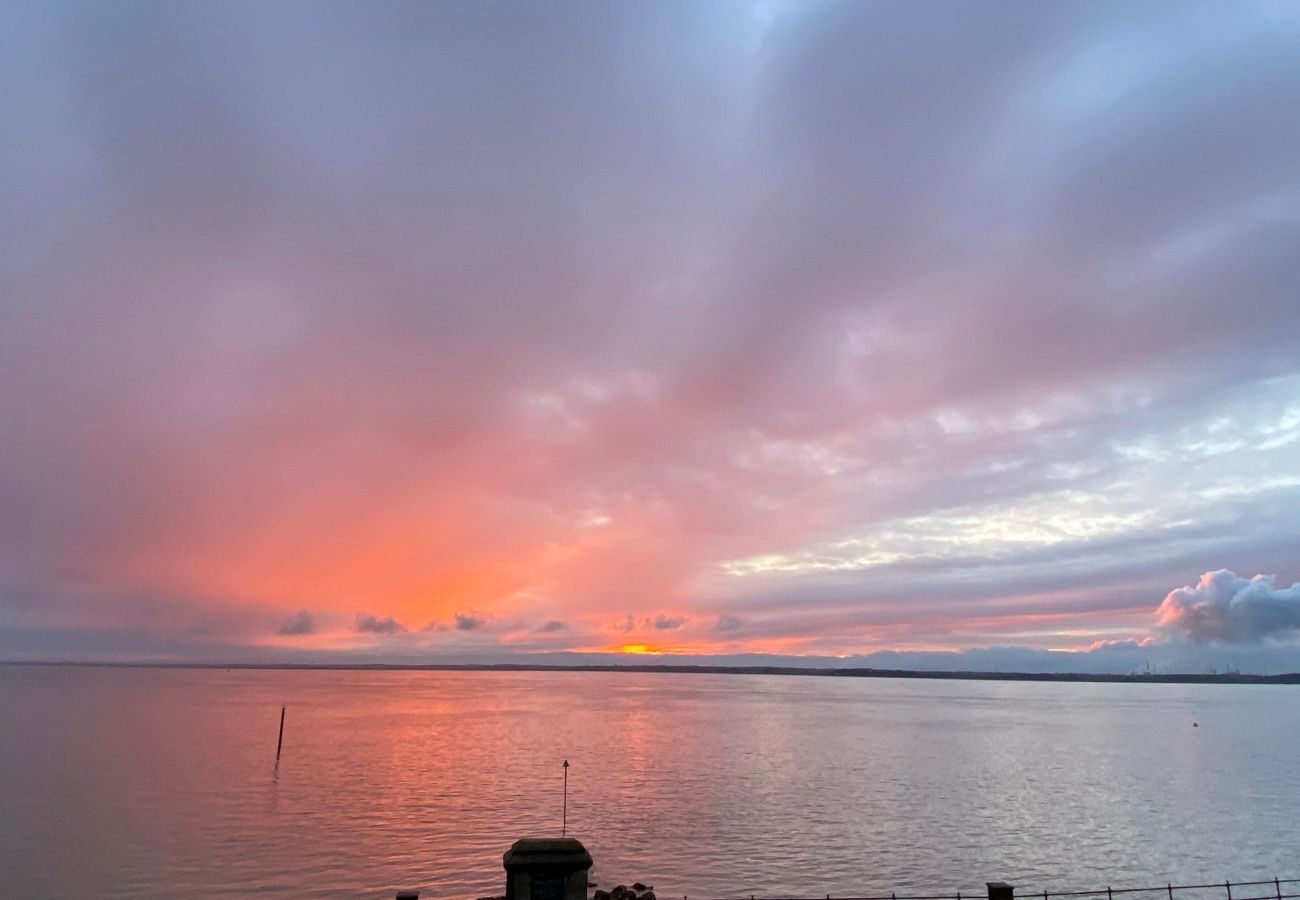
280	741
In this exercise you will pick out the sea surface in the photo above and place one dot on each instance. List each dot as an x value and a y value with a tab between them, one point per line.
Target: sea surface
141	783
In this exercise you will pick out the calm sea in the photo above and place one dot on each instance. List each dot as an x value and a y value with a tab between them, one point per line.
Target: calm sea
163	782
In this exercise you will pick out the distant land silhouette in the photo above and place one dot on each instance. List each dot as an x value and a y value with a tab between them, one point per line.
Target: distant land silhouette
687	669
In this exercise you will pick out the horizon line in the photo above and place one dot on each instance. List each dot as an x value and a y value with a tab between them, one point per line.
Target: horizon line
705	669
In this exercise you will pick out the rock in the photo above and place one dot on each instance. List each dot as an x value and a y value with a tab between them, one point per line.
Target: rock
601	895
648	895
638	887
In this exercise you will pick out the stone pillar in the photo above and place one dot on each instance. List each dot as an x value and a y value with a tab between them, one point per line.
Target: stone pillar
1000	890
547	869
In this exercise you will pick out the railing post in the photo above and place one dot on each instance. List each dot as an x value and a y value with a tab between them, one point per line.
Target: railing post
1277	886
1228	886
1000	890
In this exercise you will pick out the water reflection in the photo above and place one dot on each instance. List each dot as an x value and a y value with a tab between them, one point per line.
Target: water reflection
120	782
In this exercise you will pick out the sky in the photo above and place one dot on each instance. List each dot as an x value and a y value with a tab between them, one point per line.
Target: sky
938	334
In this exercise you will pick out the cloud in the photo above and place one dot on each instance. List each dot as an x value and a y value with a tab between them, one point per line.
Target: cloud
300	623
660	622
552	626
1225	607
469	621
860	322
375	625
728	622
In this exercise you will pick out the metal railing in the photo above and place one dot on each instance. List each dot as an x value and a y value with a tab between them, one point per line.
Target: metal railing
1272	889
1253	890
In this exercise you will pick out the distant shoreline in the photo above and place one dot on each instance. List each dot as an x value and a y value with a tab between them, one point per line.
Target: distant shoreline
687	669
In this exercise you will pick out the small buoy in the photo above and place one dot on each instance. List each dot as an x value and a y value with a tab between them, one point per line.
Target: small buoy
1196	724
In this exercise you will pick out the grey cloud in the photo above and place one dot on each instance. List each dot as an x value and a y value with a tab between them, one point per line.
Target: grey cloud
375	625
1225	607
728	622
552	626
300	623
660	622
469	621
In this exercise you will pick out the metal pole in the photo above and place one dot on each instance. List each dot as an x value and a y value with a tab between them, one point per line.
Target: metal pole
564	817
280	740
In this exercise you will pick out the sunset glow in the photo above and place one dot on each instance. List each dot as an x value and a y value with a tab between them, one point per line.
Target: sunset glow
638	648
715	330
